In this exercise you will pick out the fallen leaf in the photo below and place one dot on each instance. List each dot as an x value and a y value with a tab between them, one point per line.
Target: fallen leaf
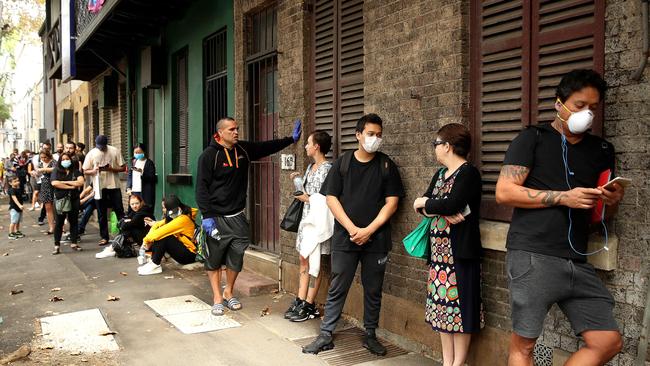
111	281
112	298
75	353
40	256
276	291
18	285
5	254
16	292
84	360
188	300
169	277
47	346
276	297
107	332
124	273
56	299
55	289
265	311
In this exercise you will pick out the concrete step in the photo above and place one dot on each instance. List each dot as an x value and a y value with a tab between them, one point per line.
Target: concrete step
252	284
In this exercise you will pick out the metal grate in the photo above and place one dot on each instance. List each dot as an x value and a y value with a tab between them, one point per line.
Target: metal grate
543	355
348	349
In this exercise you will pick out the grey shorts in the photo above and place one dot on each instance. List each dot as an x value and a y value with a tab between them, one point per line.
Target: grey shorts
229	250
537	281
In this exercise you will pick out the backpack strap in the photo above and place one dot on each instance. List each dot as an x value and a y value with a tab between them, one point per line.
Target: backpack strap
346	159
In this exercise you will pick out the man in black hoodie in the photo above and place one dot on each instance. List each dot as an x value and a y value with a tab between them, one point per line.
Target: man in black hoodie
222	183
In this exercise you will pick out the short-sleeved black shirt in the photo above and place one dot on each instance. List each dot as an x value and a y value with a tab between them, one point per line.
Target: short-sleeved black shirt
362	193
545	230
72	175
19	196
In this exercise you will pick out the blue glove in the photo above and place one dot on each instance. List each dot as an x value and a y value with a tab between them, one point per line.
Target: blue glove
297	130
208	225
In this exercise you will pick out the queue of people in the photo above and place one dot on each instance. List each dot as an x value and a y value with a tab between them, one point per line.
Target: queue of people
550	176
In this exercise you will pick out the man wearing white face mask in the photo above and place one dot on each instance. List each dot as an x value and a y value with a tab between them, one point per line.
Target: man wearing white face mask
550	175
362	188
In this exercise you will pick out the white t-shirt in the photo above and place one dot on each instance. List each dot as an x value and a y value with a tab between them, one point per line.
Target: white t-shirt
97	158
136	177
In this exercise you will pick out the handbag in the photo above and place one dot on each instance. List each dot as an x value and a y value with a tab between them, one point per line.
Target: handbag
416	242
292	217
63	205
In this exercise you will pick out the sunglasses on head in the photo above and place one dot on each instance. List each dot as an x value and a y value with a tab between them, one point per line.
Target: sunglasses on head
438	142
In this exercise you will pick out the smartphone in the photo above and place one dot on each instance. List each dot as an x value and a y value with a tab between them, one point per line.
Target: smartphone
466	211
619	180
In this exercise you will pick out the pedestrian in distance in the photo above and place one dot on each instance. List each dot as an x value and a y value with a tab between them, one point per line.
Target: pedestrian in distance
46	195
35	179
67	180
173	235
303	307
222	184
453	200
363	188
103	165
57	153
141	179
15	208
550	175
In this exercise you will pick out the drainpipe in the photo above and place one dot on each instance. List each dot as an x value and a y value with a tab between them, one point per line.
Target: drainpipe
162	91
644	15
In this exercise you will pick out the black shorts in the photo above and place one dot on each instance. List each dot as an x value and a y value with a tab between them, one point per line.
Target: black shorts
537	281
229	249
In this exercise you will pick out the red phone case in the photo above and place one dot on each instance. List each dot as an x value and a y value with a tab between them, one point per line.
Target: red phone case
598	212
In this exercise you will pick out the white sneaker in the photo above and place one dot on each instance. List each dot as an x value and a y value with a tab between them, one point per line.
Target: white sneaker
107	252
149	269
37	205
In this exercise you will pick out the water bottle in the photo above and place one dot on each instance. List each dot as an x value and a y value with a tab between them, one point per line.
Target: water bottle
298	185
215	234
141	255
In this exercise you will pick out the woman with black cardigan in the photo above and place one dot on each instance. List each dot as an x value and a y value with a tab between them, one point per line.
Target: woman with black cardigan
141	179
453	199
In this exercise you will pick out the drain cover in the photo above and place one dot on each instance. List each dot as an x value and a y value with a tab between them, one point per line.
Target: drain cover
348	349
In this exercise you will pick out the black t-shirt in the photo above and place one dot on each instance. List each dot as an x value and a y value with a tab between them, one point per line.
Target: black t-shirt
545	230
72	175
362	192
19	196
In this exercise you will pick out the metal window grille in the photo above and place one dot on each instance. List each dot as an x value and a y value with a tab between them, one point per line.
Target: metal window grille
215	82
180	155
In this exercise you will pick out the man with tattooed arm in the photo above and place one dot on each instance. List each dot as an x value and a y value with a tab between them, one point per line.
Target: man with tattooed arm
550	176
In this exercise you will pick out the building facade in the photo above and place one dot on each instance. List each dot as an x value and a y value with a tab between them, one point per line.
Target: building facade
165	79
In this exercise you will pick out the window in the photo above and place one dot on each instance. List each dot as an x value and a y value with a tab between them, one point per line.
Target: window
338	70
215	78
180	113
519	52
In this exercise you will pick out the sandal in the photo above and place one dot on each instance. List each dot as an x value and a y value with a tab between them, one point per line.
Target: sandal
217	309
102	242
232	304
49	232
75	247
57	250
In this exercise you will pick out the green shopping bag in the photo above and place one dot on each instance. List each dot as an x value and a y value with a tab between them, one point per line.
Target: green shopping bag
112	226
417	241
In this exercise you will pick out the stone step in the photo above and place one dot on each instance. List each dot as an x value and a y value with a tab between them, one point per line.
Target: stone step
252	284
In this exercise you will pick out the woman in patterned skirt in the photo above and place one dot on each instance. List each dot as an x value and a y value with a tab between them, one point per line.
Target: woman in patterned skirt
46	194
453	306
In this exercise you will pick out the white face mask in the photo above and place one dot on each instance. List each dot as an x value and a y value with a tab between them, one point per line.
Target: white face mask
579	122
371	144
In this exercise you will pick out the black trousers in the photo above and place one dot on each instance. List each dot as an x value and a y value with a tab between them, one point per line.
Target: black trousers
111	198
174	247
73	218
344	266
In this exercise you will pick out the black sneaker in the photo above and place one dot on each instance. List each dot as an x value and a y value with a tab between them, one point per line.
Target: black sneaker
291	311
371	343
41	223
307	311
322	343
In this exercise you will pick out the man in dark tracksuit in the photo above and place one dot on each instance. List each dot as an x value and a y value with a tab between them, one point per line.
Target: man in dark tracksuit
222	184
362	188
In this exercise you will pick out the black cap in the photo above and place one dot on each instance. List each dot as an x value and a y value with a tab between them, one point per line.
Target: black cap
101	141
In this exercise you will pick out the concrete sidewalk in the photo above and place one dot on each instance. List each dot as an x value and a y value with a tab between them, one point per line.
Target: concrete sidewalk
144	338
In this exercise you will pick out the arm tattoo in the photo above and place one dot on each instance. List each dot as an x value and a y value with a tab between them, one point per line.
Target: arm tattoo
516	172
549	199
312	282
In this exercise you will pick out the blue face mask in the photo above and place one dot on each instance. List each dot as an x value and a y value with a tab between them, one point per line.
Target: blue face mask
66	164
139	156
